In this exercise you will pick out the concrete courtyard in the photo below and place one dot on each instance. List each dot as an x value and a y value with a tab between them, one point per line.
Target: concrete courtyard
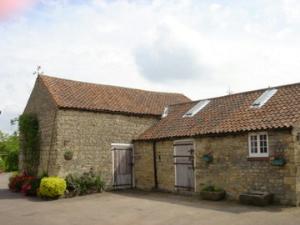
130	208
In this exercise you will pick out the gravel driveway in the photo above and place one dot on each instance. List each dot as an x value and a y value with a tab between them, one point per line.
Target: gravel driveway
135	208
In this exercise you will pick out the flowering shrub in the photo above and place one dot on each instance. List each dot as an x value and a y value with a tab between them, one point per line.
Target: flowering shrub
12	182
52	187
17	181
26	186
33	187
86	183
23	183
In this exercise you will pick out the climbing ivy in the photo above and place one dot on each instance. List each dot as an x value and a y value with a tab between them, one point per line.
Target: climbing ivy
29	142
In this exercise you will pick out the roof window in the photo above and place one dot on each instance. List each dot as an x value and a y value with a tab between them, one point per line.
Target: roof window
165	113
196	108
264	98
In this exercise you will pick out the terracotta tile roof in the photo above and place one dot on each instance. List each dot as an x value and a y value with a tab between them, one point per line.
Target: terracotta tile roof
229	114
70	94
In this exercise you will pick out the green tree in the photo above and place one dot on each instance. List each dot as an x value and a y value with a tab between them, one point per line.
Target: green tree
9	151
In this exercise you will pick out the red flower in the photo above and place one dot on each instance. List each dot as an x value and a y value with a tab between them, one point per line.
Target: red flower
20	183
25	188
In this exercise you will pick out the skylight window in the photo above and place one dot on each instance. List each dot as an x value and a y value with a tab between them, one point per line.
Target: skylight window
264	98
197	108
165	113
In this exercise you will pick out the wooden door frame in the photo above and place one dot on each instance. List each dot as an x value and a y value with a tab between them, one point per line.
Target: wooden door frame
122	145
194	163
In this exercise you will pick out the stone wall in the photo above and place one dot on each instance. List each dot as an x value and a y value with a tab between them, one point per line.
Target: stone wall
90	135
165	165
42	104
143	165
231	169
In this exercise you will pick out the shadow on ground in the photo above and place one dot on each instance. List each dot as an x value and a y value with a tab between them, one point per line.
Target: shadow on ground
195	201
7	194
168	198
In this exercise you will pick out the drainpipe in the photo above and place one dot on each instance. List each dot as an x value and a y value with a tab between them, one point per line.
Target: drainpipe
155	166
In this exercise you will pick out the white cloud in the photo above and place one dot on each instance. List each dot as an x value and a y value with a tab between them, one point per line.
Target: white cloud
167	59
241	44
292	10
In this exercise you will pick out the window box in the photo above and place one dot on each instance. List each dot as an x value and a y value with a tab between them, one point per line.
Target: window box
278	158
256	198
278	162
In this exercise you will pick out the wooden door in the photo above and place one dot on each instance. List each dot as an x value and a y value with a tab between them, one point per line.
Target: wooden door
184	165
122	166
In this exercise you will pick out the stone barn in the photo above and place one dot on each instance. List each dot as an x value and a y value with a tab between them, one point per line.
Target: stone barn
97	123
240	142
150	140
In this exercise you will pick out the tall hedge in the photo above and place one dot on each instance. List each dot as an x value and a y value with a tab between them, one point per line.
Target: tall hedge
29	142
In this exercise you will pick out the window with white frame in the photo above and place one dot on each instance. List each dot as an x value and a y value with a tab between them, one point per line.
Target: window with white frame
258	145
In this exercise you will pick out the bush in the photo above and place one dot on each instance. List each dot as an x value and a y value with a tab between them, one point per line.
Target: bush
2	165
73	184
12	181
26	185
19	182
23	183
85	184
52	187
12	161
212	188
34	185
9	150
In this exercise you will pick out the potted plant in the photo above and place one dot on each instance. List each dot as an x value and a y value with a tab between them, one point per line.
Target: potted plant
208	158
68	155
278	158
212	193
278	162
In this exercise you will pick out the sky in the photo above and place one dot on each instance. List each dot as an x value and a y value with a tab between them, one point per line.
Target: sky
202	48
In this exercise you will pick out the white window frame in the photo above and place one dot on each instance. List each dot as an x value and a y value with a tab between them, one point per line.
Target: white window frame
258	154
